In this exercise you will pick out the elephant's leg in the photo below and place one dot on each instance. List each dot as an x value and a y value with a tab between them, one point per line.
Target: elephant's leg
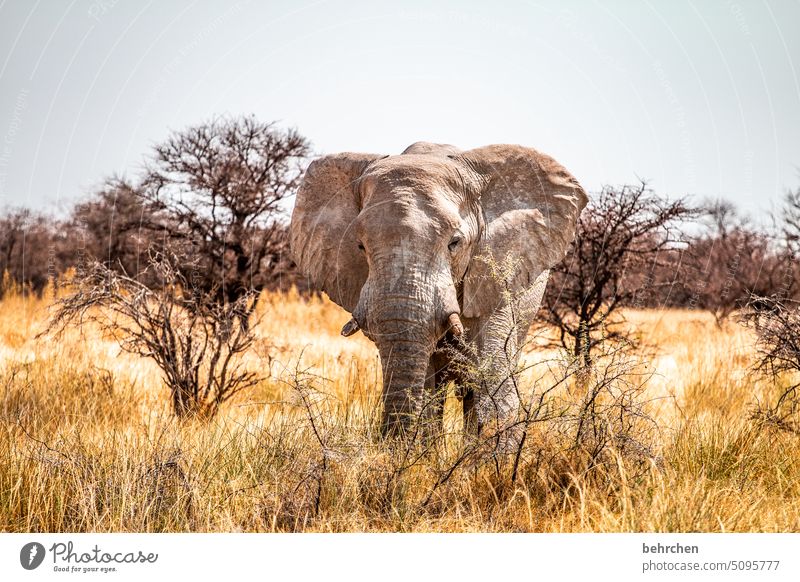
470	414
491	397
432	405
446	372
499	340
441	373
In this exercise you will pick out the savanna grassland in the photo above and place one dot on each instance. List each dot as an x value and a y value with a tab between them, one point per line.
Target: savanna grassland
89	442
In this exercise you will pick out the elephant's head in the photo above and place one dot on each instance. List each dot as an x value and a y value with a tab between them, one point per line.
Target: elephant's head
399	242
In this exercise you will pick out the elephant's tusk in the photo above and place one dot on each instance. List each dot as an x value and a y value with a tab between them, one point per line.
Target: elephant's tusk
350	327
455	325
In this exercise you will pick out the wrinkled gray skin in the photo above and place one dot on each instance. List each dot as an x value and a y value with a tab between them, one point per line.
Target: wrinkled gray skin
401	241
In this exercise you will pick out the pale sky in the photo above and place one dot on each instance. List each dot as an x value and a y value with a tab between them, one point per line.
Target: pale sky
701	98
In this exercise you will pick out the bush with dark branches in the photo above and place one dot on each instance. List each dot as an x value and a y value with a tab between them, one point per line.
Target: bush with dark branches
776	322
625	237
790	221
31	249
730	262
196	341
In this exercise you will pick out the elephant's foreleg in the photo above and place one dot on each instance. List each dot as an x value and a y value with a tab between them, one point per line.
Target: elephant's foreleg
446	372
470	414
499	340
432	405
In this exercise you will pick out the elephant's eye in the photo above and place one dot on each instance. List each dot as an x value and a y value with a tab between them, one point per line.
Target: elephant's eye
454	243
361	246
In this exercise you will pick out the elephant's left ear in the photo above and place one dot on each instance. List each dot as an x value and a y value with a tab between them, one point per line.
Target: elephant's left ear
531	206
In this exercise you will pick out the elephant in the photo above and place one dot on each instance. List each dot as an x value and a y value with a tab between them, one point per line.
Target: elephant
410	245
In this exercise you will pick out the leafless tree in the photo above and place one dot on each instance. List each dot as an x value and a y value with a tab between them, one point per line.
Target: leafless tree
31	249
115	226
776	322
195	340
216	191
624	236
212	194
731	262
790	221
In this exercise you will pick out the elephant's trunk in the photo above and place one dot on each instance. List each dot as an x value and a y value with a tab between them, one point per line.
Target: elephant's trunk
405	333
405	365
404	309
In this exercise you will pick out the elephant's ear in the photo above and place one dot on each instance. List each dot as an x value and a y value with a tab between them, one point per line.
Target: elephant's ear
322	239
531	206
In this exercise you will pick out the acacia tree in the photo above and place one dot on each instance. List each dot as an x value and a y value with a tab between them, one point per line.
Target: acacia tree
776	322
31	249
114	226
790	221
731	262
212	194
216	191
623	237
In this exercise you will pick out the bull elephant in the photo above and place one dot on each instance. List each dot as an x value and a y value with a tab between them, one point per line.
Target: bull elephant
403	243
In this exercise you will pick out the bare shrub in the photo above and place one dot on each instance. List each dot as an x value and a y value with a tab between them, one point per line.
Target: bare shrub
730	262
611	417
776	322
790	221
195	341
31	250
605	441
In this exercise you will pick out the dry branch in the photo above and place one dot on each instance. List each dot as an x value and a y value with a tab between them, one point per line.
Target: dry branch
196	342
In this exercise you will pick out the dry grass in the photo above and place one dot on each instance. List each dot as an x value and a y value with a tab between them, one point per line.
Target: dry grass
88	442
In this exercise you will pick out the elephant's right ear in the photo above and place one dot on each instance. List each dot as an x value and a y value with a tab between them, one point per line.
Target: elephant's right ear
321	234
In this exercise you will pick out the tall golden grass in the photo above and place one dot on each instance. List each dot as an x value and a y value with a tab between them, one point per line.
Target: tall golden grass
89	443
